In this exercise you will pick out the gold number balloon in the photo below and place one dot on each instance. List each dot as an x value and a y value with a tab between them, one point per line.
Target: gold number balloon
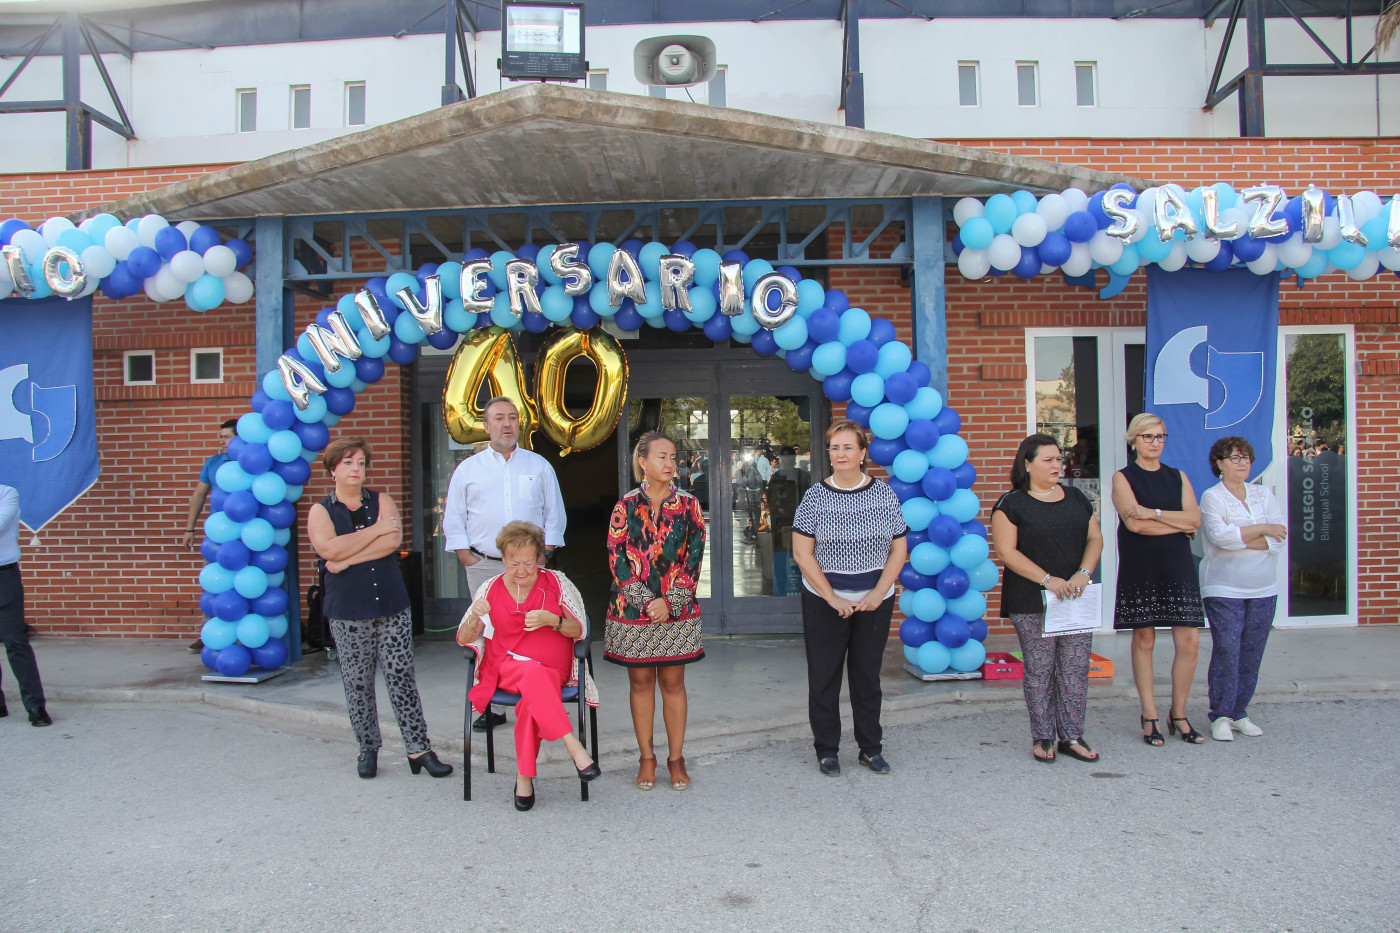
486	357
593	428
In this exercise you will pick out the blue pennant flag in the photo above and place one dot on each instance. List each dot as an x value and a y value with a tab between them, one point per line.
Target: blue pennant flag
48	424
1212	350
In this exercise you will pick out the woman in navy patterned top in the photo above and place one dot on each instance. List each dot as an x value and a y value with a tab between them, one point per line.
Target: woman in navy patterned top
848	541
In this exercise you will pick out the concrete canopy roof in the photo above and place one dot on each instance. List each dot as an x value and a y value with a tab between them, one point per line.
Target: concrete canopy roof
543	144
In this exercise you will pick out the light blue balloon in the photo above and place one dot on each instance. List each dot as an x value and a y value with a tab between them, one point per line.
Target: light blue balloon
745	325
1127	263
497	275
1152	248
397	282
305	347
968	656
855	325
895	357
810	297
409	330
218	634
450	275
292	493
231	477
918	512
216	579
542	259
791	335
929	604
928	558
276	579
272	385
933	658
949	452
649	258
253	630
820	377
252	429
970	550
270	489
754	270
556	304
342	377
330	420
888	421
250	582
372	348
970	605
651	308
501	314
357	387
706	263
598	300
456	316
257	534
221	529
977	233
277	626
284	446
347	309
906	601
963	506
1000	212
868	389
1346	255
1315	265
1025	202
314	411
830	358
207	291
926	404
703	305
282	536
599	255
983	576
100	225
910	654
909	465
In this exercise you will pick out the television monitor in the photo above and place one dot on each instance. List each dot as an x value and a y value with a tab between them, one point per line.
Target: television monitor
542	40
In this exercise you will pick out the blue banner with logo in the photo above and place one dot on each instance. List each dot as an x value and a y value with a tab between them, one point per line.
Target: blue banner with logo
48	424
1212	350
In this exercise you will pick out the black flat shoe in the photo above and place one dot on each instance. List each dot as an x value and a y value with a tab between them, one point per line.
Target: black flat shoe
367	765
525	803
1188	735
4	710
1043	752
488	719
40	717
1067	748
830	767
1153	738
876	763
430	761
589	773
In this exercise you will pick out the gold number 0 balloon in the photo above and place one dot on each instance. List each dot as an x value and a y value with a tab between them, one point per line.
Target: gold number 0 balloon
485	358
593	428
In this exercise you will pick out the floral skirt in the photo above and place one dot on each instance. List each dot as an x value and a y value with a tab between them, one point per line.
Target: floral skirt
652	644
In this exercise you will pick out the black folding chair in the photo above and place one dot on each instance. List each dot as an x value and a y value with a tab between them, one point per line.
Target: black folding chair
574	694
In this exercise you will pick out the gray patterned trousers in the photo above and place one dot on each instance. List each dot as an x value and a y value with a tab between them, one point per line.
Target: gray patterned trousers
387	642
1056	679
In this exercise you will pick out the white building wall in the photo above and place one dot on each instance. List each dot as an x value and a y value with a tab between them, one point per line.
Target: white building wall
1152	77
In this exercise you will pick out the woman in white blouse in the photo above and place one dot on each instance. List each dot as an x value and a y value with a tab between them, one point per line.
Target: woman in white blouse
1244	534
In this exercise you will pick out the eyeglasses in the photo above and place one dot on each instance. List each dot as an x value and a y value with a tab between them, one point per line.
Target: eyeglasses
1239	458
1154	438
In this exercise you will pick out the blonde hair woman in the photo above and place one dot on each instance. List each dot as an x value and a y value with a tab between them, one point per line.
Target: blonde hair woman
1157	515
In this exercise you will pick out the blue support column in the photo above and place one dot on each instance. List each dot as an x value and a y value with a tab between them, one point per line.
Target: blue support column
926	241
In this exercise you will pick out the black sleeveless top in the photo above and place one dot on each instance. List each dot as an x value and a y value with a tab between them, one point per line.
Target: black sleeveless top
372	590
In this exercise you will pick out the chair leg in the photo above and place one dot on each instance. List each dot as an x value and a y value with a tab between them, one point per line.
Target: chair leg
467	733
490	744
583	740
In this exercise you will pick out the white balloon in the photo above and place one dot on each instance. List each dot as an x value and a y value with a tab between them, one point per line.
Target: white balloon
187	227
1266	263
91	286
1079	261
1105	249
152	292
168	283
973	263
1331	232
97	262
1075	199
1175	259
1388	257
1029	229
219	261
31	243
1366	205
148	227
1368	267
1053	210
120	241
1046	268
186	265
238	288
1293	252
1004	252
51	228
966	209
1202	249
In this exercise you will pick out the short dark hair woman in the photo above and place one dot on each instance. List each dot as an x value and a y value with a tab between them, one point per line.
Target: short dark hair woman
1048	538
1245	530
849	542
356	533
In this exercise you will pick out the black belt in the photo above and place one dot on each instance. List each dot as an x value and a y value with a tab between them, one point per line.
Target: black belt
481	555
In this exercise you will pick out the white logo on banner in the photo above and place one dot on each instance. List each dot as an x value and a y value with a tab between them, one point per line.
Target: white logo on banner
1241	375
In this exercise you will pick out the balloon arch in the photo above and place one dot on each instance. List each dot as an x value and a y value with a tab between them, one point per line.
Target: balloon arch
857	358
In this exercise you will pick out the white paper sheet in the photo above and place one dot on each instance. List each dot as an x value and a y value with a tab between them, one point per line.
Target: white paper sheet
1073	616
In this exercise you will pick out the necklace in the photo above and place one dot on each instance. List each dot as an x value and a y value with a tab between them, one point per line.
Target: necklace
520	599
1044	496
859	483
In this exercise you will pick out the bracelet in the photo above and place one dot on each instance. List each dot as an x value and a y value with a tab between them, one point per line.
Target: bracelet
1046	580
1085	572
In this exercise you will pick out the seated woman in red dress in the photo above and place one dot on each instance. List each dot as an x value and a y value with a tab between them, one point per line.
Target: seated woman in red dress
524	628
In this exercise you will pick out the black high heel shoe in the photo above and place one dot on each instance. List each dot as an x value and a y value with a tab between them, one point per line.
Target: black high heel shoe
367	765
430	761
1153	738
588	773
525	803
1188	735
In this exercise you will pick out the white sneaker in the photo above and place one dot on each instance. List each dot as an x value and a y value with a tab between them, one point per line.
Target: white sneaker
1220	730
1244	726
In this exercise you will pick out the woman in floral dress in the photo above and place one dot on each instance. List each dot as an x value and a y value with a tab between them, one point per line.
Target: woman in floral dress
656	540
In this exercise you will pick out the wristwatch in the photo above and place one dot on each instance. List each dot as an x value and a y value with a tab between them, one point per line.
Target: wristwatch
1159	514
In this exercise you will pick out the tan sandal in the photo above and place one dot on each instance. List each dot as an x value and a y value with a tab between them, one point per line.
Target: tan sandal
680	779
646	773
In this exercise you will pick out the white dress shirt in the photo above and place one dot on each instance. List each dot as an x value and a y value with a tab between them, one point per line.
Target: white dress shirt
1229	569
487	491
9	525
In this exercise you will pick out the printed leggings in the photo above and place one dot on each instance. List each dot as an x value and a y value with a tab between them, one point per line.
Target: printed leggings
387	642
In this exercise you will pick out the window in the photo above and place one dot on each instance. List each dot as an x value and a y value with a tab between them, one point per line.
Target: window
1027	84
207	365
598	80
717	87
968	89
1086	84
354	103
247	110
301	107
139	368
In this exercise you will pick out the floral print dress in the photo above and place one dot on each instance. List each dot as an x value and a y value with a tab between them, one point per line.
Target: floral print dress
654	557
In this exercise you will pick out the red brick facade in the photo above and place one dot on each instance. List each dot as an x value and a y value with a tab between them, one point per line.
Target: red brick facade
111	565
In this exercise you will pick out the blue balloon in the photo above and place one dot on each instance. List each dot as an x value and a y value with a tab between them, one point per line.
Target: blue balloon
402	353
279	514
1055	249
911	655
915	538
312	436
900	388
928	559
764	344
1028	266
883	450
983	576
938	483
241	506
1080	227
968	657
888	420
254	458
234	661
970	551
837	386
800	359
218	634
933	658
910	466
209	550
945	419
583	317
233	555
895	357
882	331
242	251
1222	259
862	355
926	404
209	658
629	319
944	531
230	605
271	654
978	627
952	582
965	474
858	413
868	389
919	513
824	326
914	631
294	473
913	580
143	262
951	632
272	602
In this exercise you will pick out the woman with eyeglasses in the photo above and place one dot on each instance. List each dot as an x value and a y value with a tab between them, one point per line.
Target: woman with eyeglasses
1244	530
1157	584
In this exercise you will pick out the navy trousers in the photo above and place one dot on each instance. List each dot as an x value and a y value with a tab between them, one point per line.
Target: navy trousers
15	637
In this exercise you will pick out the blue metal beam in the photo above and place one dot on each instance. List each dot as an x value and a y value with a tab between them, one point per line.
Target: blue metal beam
927	234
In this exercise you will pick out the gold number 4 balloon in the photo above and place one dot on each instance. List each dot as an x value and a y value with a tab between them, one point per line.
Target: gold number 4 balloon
485	358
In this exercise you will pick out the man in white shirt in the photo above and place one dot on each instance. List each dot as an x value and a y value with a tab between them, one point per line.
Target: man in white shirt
503	483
